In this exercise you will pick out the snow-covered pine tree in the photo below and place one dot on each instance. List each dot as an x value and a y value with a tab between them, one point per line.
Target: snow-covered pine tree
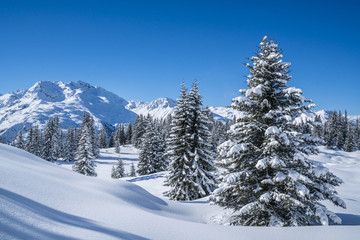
350	144
122	136
138	131
151	158
341	131
191	167
103	138
94	137
331	130
19	142
70	145
38	141
56	141
268	180
128	133
118	171
317	129
48	144
132	170
357	134
85	153
111	142
29	146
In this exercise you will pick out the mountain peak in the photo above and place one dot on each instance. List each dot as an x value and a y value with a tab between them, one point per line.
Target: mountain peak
46	99
159	108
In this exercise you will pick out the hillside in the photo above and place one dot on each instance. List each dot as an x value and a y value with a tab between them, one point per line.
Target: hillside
41	200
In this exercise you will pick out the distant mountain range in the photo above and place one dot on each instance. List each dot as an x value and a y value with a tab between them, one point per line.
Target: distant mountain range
69	101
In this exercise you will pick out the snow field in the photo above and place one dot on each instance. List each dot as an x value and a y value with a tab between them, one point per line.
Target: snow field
41	200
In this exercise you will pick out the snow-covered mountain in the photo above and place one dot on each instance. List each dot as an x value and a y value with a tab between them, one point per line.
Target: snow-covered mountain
69	101
163	107
160	108
20	109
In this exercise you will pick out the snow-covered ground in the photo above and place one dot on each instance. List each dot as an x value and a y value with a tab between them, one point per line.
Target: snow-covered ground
41	200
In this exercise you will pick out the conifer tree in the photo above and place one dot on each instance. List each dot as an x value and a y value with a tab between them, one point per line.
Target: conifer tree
350	144
331	134
20	140
267	178
55	139
30	142
151	158
103	138
111	140
70	145
118	171
85	152
317	130
48	144
189	150
37	141
128	133
122	137
138	131
132	170
340	133
357	134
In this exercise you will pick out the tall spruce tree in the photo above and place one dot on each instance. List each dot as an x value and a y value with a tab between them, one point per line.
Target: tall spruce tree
191	167
37	141
138	131
350	144
267	178
357	134
70	145
19	142
47	146
128	133
85	152
103	138
151	158
29	146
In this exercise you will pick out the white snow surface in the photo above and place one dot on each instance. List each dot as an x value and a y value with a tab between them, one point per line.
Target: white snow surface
42	200
20	109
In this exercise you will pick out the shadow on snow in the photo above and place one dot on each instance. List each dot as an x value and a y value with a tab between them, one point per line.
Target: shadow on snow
10	225
147	177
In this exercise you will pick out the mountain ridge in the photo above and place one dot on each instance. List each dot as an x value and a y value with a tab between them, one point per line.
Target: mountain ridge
69	101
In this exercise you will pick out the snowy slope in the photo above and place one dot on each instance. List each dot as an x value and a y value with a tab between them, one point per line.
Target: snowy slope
18	110
40	200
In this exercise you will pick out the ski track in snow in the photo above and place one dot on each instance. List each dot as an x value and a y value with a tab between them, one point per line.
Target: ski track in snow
41	200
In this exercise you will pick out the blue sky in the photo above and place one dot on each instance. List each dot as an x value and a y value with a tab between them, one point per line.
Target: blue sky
145	49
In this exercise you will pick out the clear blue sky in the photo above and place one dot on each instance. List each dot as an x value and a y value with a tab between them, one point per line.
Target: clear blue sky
145	49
